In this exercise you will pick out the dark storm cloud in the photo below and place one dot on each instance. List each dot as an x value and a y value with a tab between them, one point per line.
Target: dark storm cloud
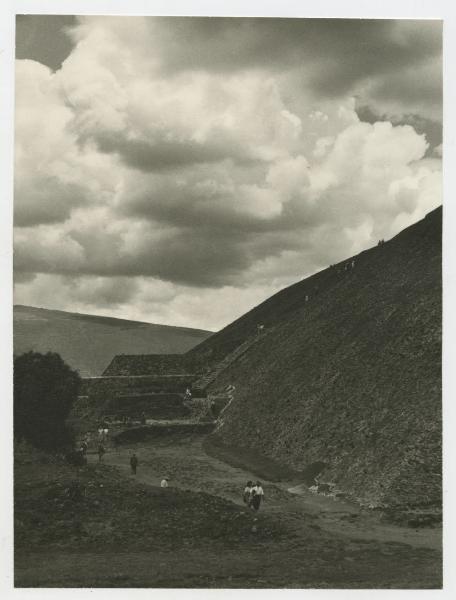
182	257
186	208
332	54
200	249
101	291
412	84
209	261
23	277
162	154
45	200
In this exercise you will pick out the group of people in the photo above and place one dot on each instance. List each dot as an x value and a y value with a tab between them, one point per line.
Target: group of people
347	266
103	434
101	450
253	492
253	495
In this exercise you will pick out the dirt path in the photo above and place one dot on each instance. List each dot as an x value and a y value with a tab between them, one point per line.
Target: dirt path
188	466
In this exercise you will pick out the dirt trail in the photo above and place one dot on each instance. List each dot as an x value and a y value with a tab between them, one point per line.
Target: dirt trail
188	466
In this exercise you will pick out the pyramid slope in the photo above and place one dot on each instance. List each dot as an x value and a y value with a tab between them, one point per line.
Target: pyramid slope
352	377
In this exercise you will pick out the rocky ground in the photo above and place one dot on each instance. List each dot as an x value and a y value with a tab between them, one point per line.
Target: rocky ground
101	526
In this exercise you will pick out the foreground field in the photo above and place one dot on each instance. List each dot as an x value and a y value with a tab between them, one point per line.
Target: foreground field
100	526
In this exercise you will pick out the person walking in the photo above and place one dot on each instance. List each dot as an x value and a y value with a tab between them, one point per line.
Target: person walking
257	496
133	463
101	452
247	495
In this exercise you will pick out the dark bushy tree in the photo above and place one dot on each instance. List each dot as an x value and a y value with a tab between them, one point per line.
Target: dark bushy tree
45	388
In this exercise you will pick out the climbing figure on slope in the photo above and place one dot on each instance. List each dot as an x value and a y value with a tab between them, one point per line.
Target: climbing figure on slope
257	496
211	411
133	463
247	495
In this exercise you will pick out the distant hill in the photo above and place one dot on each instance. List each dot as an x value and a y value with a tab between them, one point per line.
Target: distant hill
89	342
349	378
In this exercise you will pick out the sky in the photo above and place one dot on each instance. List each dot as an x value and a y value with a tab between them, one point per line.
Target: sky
182	170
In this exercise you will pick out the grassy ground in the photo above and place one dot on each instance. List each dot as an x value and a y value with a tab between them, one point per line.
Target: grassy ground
100	526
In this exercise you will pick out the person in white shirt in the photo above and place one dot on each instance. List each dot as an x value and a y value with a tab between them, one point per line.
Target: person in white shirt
164	482
257	496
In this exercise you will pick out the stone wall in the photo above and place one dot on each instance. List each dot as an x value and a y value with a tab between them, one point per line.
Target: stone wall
107	386
149	364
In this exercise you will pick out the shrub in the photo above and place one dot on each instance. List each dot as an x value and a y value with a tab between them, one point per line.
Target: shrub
45	388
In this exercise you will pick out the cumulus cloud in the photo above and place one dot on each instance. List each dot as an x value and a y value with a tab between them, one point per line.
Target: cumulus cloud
384	57
172	165
52	175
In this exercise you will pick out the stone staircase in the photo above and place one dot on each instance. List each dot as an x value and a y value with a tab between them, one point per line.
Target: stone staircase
199	387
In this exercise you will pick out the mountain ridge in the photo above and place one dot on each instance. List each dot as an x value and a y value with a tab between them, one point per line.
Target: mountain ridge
89	342
119	320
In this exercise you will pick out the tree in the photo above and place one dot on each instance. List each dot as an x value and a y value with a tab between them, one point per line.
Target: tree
45	388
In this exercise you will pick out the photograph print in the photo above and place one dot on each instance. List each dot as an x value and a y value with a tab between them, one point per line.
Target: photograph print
227	303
